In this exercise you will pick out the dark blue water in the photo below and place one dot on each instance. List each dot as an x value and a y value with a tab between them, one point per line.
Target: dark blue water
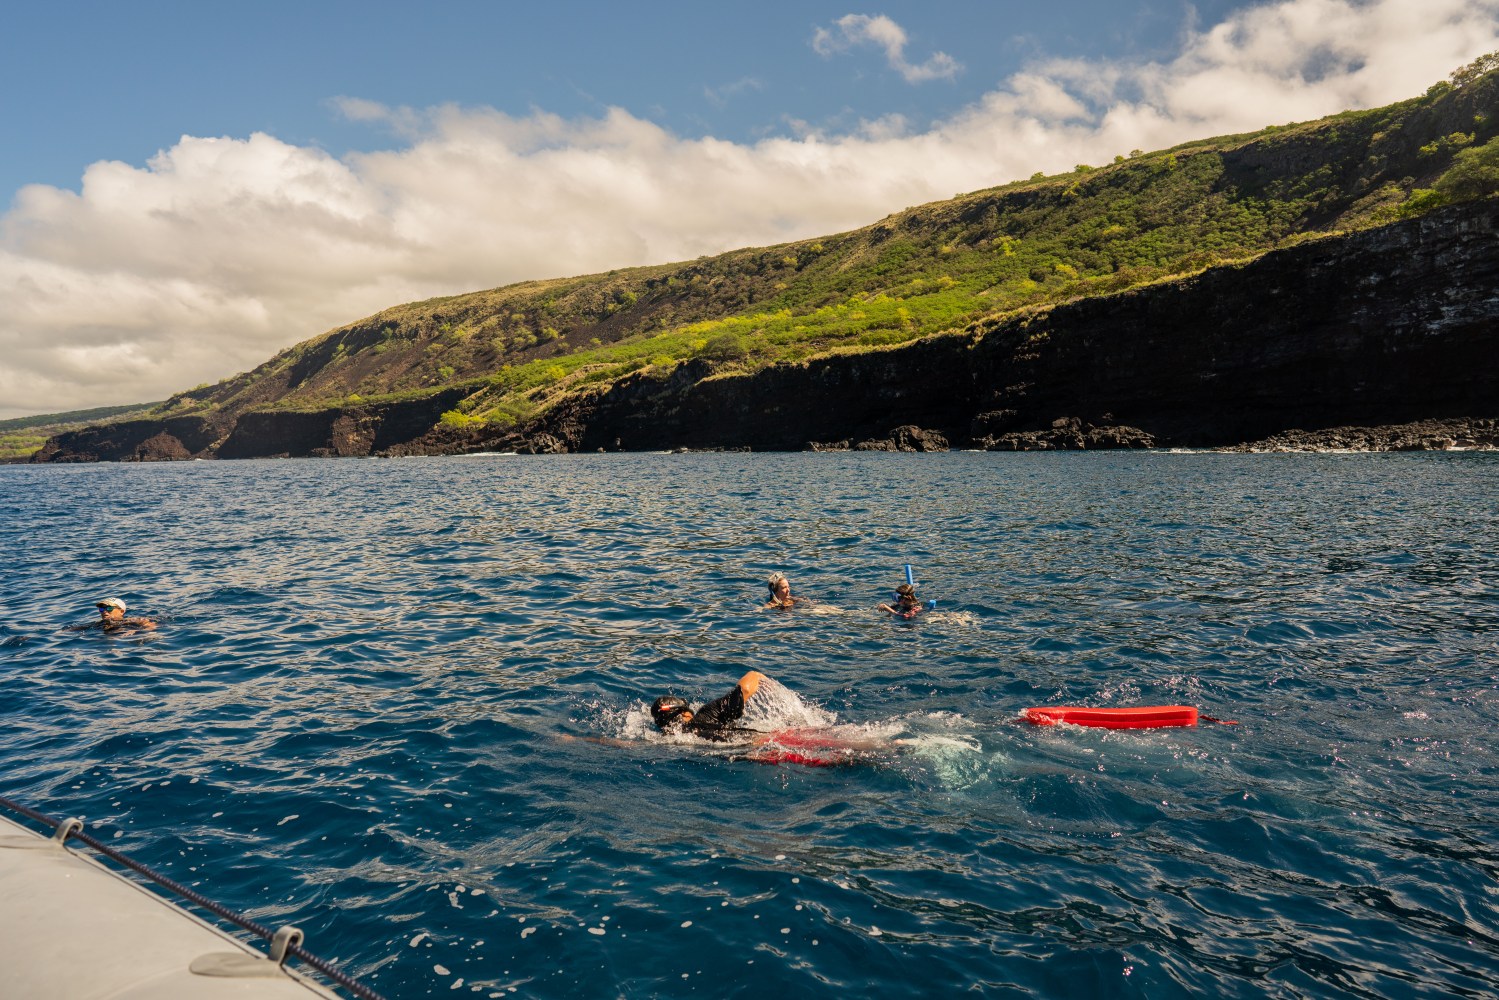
354	716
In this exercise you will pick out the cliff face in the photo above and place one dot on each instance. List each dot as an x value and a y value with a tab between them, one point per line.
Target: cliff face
358	430
1383	326
165	440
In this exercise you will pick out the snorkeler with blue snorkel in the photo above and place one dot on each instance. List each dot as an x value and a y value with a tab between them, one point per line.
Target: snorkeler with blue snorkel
907	605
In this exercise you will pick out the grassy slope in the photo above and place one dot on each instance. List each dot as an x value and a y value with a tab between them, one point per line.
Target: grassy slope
918	272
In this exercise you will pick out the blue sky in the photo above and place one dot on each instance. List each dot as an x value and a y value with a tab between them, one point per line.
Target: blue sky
192	187
93	81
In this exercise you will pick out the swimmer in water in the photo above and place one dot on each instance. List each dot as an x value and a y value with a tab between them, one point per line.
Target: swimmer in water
715	720
780	592
906	605
112	619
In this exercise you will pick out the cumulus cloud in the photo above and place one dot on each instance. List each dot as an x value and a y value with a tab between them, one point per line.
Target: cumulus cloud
853	30
220	251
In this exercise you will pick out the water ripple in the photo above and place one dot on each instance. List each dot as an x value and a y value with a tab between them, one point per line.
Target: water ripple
356	716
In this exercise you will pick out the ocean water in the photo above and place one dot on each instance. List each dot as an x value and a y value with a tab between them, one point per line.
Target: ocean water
399	703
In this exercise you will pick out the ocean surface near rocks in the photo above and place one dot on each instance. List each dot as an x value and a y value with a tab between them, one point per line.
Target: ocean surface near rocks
356	716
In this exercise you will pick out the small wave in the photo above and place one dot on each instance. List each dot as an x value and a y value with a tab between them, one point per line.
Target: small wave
952	617
831	609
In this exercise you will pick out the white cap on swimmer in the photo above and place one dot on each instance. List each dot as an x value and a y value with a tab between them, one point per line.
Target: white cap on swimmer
111	602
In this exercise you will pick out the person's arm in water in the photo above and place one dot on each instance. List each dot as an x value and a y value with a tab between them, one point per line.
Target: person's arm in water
721	713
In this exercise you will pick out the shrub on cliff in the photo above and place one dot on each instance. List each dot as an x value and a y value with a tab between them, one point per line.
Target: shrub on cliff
725	347
459	421
1474	173
1421	201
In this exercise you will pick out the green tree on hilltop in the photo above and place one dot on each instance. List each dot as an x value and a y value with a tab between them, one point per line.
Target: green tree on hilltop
1478	67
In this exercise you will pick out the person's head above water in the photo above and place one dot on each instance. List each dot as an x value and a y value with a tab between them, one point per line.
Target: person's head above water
669	710
112	617
906	593
779	586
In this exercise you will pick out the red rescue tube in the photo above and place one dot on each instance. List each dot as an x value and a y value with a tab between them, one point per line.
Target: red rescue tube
1142	717
793	757
794	746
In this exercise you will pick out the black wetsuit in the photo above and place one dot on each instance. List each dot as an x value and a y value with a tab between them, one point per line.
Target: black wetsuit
715	720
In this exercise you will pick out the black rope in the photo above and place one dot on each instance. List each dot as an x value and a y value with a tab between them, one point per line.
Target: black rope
359	990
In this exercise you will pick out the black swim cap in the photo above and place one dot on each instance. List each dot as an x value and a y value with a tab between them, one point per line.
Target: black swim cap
666	708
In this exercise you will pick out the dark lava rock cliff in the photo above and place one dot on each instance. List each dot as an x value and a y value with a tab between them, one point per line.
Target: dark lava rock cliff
1382	327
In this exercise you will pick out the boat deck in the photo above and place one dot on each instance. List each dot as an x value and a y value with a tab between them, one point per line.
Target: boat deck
70	927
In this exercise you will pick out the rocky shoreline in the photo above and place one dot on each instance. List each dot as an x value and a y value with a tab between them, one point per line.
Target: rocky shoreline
1066	434
1071	434
1421	435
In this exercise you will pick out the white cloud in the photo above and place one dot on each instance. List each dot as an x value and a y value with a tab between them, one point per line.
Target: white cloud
852	30
219	252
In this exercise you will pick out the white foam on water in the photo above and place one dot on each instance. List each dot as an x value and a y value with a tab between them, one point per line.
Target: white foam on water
958	764
955	756
952	617
776	706
635	724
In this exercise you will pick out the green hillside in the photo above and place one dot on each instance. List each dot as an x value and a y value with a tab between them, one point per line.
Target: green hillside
1101	228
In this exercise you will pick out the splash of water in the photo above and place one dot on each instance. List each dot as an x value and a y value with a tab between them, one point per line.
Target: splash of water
776	706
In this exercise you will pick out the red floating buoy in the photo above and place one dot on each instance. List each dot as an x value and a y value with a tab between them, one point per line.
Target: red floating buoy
1142	717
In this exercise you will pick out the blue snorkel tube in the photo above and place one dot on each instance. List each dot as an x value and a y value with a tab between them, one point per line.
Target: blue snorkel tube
911	580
